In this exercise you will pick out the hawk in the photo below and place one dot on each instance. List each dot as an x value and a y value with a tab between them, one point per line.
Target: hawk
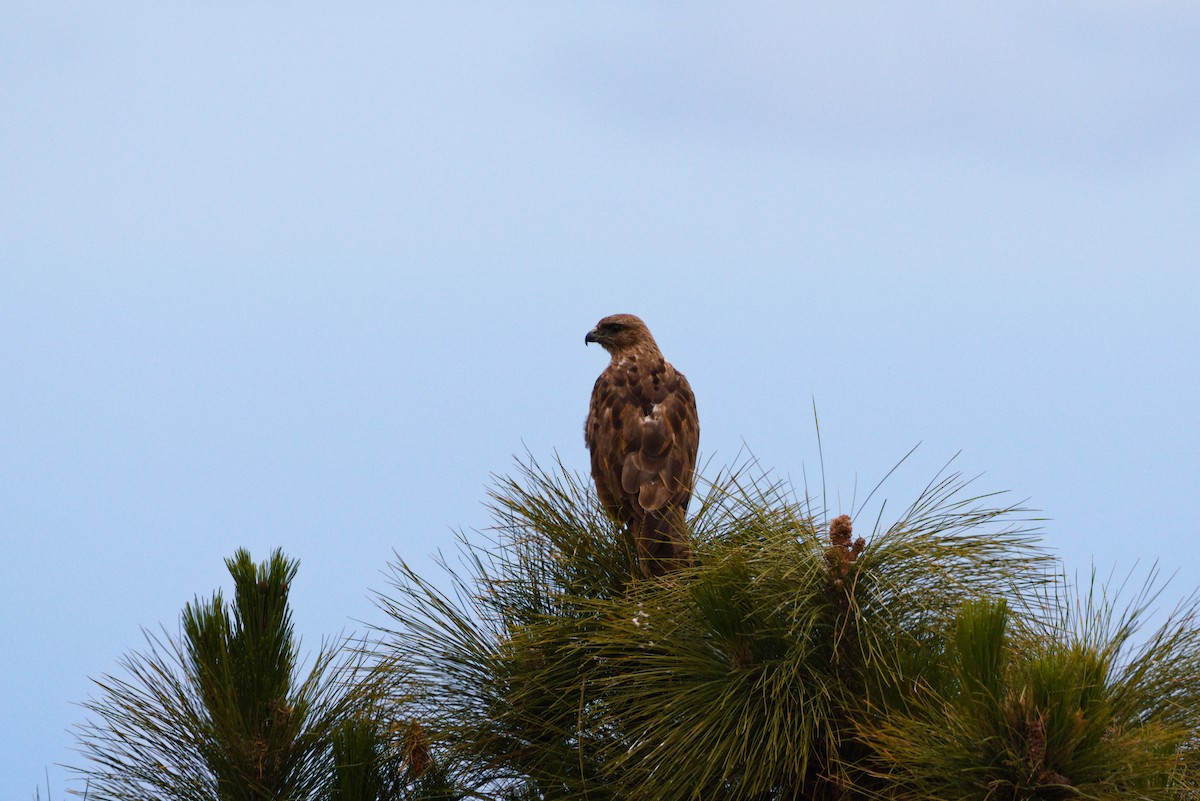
643	433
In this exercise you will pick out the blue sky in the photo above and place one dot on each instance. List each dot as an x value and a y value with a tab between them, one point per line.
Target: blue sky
306	276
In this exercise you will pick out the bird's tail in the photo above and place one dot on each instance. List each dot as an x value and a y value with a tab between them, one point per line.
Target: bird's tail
663	542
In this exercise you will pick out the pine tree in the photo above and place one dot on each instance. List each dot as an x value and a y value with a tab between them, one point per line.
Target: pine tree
932	659
222	713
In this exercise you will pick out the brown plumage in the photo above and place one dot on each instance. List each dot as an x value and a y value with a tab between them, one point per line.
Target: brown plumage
643	432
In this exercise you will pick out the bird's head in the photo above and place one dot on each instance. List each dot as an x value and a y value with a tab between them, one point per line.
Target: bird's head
620	332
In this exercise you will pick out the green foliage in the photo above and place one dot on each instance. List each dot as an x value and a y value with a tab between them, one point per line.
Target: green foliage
241	666
358	750
1060	707
939	658
222	714
547	671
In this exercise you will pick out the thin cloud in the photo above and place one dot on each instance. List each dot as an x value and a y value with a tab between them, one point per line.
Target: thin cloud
1063	80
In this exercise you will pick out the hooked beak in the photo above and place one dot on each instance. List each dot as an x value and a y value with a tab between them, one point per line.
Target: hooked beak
591	337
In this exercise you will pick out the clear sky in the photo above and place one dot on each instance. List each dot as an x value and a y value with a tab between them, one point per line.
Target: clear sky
304	275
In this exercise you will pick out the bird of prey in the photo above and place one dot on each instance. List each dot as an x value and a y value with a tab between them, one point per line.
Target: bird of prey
643	433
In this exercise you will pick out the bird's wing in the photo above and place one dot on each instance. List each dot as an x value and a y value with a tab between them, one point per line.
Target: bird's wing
661	452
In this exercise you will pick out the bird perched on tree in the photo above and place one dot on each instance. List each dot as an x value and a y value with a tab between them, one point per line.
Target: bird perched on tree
643	433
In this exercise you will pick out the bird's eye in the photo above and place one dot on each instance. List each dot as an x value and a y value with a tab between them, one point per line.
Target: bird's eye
615	327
